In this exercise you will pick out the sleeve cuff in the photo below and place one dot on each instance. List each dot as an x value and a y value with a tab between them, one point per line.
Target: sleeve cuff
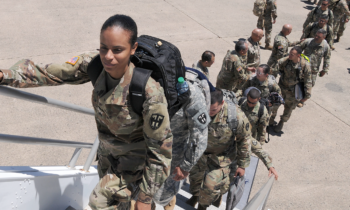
144	198
5	72
186	166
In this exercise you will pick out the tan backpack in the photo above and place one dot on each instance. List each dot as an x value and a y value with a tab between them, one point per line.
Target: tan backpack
259	7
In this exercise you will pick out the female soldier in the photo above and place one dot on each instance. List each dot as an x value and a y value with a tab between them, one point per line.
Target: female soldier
132	153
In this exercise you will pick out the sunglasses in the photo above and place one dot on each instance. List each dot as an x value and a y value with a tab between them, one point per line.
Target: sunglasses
251	102
324	4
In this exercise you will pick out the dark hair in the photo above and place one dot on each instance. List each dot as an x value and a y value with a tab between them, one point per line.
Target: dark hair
216	96
124	22
298	49
324	16
325	0
323	32
240	45
207	55
266	68
254	93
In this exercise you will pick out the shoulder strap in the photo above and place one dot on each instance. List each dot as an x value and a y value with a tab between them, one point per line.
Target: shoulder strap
315	11
261	110
241	100
271	78
232	114
94	69
137	89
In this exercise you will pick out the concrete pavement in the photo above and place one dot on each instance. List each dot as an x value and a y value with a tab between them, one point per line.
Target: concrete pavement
311	156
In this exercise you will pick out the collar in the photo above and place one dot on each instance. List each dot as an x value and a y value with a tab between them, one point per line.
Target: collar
246	108
122	89
251	41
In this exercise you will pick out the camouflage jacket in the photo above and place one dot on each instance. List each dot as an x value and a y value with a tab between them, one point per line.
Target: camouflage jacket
340	9
316	13
190	128
268	86
316	52
253	57
261	153
221	138
258	125
311	30
271	9
292	73
233	73
280	48
138	142
201	68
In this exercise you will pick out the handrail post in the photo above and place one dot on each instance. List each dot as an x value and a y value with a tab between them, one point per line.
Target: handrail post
74	158
258	202
91	156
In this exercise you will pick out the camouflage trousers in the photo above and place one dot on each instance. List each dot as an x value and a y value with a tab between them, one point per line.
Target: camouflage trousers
342	27
313	78
265	23
273	112
338	23
208	180
290	103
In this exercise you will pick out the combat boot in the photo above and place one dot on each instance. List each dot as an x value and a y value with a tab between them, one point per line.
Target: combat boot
217	203
192	201
337	39
268	47
200	207
333	48
171	205
271	121
279	126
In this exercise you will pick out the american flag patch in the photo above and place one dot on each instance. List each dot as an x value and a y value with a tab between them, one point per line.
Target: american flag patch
280	47
239	68
73	60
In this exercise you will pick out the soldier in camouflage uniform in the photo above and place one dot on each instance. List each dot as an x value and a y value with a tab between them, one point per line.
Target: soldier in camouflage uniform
280	46
343	21
250	106
311	30
234	71
190	130
253	56
340	9
294	69
265	21
137	149
229	130
208	58
317	12
266	84
316	49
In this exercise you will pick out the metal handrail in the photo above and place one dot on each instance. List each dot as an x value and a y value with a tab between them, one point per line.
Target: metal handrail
11	92
258	202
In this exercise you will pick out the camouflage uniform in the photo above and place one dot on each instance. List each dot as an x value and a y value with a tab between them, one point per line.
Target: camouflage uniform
316	13
266	87
342	25
291	74
316	52
201	68
265	21
279	50
233	74
136	149
340	9
209	178
253	56
190	130
311	30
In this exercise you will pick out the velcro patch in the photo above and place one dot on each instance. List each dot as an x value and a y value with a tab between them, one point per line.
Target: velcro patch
73	60
202	118
254	142
239	68
156	121
247	127
280	47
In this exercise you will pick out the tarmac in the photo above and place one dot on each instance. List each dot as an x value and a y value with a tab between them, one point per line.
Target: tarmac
311	155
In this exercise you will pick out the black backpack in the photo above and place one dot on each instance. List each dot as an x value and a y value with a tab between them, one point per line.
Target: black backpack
263	103
156	58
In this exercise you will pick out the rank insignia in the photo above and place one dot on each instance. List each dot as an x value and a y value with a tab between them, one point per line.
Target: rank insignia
73	60
247	126
254	142
202	118
156	121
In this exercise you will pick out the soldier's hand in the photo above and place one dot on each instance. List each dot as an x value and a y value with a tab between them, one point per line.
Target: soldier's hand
252	69
302	39
240	172
142	206
273	171
322	73
274	21
179	174
303	100
1	76
347	20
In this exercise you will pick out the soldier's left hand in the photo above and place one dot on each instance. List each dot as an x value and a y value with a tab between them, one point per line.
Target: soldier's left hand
322	73
240	172
180	174
347	20
303	100
274	21
273	171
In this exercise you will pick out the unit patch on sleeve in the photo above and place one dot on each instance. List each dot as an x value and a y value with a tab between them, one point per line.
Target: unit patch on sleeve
202	118
247	126
73	60
156	121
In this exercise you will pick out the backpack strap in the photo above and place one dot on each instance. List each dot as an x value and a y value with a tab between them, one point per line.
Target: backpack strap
271	80
137	88
261	110
241	100
94	69
232	117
